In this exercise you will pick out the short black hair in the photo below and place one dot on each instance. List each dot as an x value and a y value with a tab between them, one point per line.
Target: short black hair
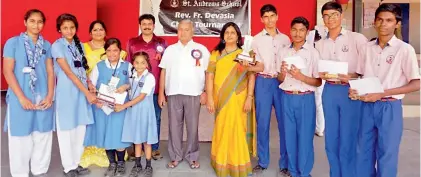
33	11
267	8
301	20
394	9
332	5
147	17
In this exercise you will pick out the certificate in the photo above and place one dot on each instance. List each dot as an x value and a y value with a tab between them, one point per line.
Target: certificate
367	85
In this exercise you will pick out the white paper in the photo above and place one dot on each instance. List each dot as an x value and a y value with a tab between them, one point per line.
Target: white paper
107	110
119	97
367	85
297	61
333	67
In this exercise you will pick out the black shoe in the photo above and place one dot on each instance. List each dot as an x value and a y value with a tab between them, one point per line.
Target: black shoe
148	172
82	171
121	169
284	173
136	171
111	170
258	169
71	173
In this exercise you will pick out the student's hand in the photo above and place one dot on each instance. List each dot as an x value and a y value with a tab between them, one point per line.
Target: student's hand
322	75
46	103
91	98
119	107
371	97
99	104
353	94
211	106
284	67
161	100
344	77
121	89
26	103
245	63
247	104
296	73
203	98
158	56
91	87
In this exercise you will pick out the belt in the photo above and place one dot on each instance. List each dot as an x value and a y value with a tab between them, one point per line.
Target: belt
388	99
337	83
296	92
267	76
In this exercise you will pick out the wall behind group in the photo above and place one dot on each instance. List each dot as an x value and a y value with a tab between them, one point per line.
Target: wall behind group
121	18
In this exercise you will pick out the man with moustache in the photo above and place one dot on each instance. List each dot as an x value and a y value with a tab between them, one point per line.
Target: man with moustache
154	46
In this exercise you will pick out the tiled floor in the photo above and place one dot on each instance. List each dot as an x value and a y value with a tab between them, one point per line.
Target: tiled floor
409	160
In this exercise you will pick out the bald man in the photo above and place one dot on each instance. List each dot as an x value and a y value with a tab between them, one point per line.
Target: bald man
182	81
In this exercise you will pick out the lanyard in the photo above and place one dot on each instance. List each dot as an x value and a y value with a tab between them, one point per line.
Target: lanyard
115	69
139	84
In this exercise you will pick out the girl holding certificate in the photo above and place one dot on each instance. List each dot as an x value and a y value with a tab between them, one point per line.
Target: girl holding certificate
106	132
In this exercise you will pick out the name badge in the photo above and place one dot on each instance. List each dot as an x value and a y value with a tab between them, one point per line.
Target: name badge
113	82
27	69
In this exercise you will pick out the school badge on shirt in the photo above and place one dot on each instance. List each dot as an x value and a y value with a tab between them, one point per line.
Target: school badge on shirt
345	48
197	55
389	59
159	48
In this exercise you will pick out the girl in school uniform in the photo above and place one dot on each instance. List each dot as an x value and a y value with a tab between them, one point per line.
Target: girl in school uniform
28	70
106	132
73	99
140	122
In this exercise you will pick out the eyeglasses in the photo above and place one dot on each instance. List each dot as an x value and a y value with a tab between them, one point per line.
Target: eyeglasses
332	16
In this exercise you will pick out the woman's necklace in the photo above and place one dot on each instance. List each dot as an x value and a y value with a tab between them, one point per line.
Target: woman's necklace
95	46
230	51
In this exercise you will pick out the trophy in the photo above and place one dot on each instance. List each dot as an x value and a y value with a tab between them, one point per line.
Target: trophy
247	54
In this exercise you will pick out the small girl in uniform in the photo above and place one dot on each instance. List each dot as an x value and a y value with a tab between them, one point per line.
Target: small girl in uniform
73	110
140	122
107	130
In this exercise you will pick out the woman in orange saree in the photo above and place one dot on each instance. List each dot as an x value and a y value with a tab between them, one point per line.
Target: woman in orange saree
230	90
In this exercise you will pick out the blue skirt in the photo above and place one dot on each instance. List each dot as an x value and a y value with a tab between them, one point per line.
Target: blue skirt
140	123
106	131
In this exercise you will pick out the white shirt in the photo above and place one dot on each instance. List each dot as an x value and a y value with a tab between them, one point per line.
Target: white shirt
182	76
95	73
148	86
311	57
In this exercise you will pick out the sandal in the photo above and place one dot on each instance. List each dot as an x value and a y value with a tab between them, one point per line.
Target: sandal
194	165
172	164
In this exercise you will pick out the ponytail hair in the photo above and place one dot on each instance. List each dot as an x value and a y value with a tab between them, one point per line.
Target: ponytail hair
144	55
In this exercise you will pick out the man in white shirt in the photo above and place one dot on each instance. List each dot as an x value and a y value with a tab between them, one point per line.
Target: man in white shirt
183	81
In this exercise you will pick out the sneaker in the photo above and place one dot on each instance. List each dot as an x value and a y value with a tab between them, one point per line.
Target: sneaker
121	169
148	172
284	173
71	173
111	170
156	155
136	170
82	171
319	134
258	169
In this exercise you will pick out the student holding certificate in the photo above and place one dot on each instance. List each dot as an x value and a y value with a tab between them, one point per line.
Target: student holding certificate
382	121
340	45
108	128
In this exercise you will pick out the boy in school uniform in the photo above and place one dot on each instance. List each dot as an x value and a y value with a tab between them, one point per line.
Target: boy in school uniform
298	100
394	63
266	45
339	110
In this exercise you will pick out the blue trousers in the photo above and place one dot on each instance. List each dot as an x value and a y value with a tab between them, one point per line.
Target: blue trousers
379	138
158	121
341	117
300	124
268	94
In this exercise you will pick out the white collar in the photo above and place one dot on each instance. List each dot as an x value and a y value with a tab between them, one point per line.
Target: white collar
143	74
107	62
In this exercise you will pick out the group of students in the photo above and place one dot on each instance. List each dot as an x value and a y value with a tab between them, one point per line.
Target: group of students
52	87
